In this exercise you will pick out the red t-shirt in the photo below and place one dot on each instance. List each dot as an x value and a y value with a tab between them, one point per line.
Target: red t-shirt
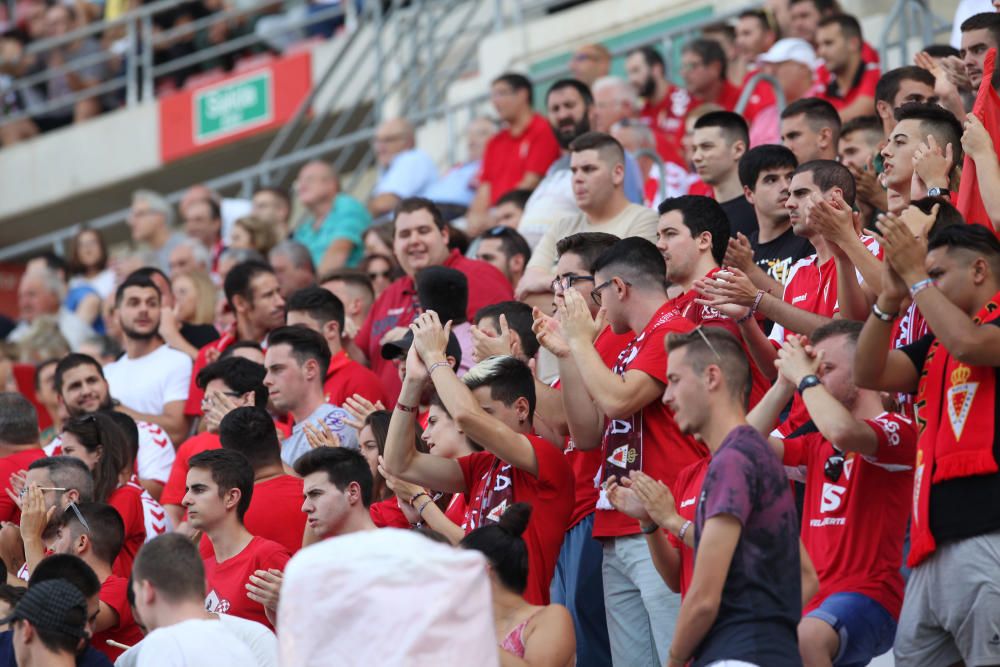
456	509
226	581
398	307
386	514
346	377
8	466
665	451
585	464
667	117
550	495
686	490
862	86
761	98
508	158
128	501
114	593
853	528
702	189
275	513
176	486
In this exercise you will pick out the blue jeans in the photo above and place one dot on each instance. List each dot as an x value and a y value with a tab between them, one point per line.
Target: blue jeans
579	586
864	626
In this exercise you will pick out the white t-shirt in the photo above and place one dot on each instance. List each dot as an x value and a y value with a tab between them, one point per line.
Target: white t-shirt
147	383
156	452
261	642
195	643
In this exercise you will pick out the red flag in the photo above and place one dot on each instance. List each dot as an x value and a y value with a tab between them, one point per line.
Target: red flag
987	109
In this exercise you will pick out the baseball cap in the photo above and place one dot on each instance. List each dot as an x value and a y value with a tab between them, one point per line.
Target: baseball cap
791	49
398	348
54	605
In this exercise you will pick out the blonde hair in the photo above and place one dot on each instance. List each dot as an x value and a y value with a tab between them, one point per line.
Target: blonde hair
263	236
204	309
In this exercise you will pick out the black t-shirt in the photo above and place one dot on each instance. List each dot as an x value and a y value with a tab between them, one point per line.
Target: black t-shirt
967	506
199	335
777	256
742	217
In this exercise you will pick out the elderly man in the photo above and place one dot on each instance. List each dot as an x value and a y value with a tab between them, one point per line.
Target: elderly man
188	256
335	222
456	188
589	63
151	220
293	267
41	293
404	170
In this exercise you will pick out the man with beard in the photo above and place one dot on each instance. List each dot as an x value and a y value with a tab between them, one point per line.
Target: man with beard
151	380
82	389
597	164
665	106
569	104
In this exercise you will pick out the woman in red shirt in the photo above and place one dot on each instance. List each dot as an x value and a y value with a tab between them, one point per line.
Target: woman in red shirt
385	510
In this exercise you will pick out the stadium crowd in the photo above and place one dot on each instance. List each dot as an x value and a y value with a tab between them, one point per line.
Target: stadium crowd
698	387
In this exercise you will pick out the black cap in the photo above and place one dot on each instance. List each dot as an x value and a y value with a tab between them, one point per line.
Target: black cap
445	291
398	348
54	605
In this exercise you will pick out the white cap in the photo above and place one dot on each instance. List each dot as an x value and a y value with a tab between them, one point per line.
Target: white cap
791	49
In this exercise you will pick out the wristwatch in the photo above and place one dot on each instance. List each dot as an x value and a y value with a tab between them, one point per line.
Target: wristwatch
938	192
807	382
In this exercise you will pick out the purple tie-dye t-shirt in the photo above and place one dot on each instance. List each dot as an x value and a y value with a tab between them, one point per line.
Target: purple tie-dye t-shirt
761	599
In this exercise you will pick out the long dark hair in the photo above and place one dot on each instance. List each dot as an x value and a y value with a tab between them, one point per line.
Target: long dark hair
74	264
379	423
98	431
504	547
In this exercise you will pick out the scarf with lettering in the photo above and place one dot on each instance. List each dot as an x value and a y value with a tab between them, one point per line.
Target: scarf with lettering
496	496
957	422
623	438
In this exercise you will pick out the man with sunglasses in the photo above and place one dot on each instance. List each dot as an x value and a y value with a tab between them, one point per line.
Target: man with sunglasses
637	432
858	471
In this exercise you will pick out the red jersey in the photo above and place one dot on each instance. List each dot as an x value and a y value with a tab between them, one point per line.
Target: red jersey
686	490
655	443
8	466
226	581
702	189
761	98
398	307
667	116
906	330
275	513
853	528
127	500
456	509
508	158
550	495
863	86
176	486
114	593
346	377
386	514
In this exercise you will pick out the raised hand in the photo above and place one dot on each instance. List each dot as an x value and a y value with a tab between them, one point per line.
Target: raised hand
575	318
655	497
430	338
319	435
486	344
624	499
976	141
739	253
359	408
548	331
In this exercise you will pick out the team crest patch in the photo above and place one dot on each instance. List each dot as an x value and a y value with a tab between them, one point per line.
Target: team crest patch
497	512
622	456
960	397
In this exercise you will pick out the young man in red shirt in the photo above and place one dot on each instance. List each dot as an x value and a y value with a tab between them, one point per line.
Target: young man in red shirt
229	383
336	492
18	443
805	17
94	532
219	491
639	432
517	157
421	240
254	295
318	309
493	404
664	105
810	128
950	608
274	509
858	473
848	84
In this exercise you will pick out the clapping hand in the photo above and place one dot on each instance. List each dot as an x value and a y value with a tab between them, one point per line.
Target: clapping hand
264	586
319	435
548	331
739	253
359	408
486	344
430	338
795	361
575	319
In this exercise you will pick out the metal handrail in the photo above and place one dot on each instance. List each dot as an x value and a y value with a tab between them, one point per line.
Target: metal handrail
901	16
751	83
660	166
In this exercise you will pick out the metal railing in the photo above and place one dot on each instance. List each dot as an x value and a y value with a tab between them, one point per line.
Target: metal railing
909	19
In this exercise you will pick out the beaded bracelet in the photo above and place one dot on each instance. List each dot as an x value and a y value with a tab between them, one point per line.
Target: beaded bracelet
919	286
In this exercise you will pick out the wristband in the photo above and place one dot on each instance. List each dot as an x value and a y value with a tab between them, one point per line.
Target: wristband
417	495
753	308
684	529
650	529
420	510
882	315
919	286
405	408
435	365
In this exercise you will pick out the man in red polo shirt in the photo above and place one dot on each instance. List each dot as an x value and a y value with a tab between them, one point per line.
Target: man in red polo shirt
805	17
254	295
848	84
515	466
318	309
639	432
703	66
517	157
421	240
665	105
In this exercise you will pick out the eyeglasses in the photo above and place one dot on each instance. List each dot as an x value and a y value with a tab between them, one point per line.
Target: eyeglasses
79	516
24	489
595	293
834	466
567	280
708	342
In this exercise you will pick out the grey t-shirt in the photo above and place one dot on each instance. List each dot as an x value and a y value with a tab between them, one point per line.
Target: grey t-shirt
296	444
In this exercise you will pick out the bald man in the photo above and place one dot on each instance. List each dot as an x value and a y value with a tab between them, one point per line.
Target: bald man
336	222
589	63
403	169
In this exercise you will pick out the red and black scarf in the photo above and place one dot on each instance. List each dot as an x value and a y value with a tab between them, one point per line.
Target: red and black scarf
955	411
496	496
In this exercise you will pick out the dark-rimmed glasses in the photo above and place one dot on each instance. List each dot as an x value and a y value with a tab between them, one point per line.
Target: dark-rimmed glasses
567	280
595	293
